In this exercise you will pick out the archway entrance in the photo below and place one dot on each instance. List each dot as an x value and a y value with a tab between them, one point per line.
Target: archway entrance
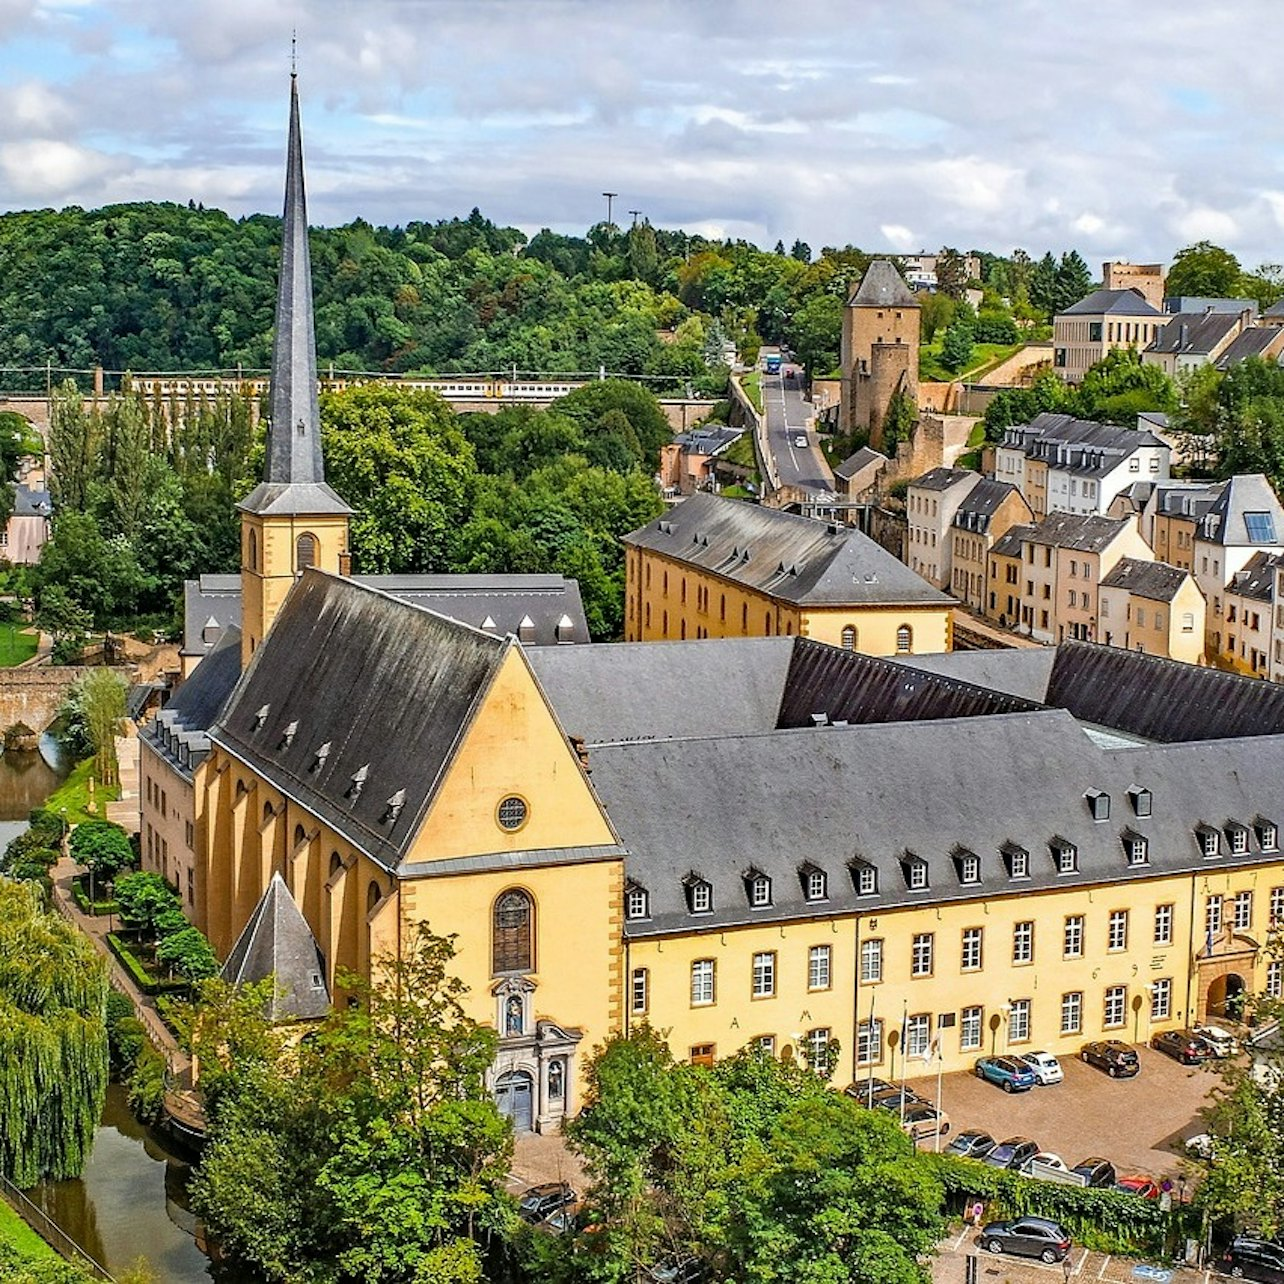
514	1096
1226	996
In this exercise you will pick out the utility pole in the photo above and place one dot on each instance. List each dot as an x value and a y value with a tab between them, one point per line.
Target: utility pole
610	196
637	214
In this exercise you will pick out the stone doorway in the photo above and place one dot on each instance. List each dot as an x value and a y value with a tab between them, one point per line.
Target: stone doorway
1226	996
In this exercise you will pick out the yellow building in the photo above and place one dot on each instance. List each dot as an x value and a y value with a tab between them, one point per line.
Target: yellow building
1096	325
1150	607
716	568
1249	610
984	517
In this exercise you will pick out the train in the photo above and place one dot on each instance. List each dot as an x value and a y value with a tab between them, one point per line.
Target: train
464	388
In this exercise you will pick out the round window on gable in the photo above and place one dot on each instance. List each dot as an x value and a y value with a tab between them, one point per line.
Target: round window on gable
512	813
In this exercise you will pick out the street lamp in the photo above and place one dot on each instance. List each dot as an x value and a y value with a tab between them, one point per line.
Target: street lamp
110	890
610	196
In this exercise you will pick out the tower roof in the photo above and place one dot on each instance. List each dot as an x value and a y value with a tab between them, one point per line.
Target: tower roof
294	478
882	286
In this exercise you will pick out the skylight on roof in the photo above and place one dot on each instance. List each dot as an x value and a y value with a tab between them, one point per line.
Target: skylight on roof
1260	527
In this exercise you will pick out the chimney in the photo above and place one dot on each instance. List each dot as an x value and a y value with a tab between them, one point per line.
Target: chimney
345	564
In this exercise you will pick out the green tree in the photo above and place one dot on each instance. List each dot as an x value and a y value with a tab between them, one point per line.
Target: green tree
65	620
589	408
102	708
951	274
1204	270
144	898
188	953
815	332
898	422
1073	281
103	847
1043	284
1120	386
936	311
72	449
53	1040
956	347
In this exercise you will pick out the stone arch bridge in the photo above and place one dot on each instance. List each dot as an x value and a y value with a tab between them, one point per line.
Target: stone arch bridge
34	694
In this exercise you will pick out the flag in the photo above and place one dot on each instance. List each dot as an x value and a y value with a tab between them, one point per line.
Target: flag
1208	941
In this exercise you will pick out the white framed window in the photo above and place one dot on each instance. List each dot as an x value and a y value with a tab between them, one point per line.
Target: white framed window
969	868
971	1028
1066	856
1072	1012
916	874
866	880
871	960
764	975
1117	930
1019	1021
1161	999
1275	979
918	1034
1116	1007
640	991
1138	849
1023	942
818	967
971	956
1267	836
1277	905
1243	911
818	1051
1238	840
700	895
1018	862
636	902
817	885
1163	924
1072	939
759	891
1210	843
921	954
1213	916
703	978
869	1043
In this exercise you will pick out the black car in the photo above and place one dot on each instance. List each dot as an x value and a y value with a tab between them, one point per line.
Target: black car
1015	1153
971	1143
864	1089
1182	1046
1251	1258
538	1202
1098	1171
1117	1059
1027	1237
897	1098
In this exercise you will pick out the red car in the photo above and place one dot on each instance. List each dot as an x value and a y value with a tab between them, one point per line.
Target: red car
1146	1187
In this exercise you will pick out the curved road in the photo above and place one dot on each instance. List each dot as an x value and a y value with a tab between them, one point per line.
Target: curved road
788	416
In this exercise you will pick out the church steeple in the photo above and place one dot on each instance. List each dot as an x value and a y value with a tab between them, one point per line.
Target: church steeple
292	519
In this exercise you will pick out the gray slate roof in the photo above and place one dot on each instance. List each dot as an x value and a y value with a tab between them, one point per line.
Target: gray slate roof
1080	446
1196	333
710	440
981	503
1256	579
211	604
1245	493
1155	581
180	731
1116	302
277	942
1185	499
1200	303
31	503
861	460
943	478
882	286
1087	532
1252	342
795	559
1009	543
1018	671
385	688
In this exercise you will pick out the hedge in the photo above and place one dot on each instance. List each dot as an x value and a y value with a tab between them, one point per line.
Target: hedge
95	908
1109	1220
139	974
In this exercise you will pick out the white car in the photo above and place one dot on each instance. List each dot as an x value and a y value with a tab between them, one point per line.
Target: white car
800	440
1222	1042
1047	1069
1050	1160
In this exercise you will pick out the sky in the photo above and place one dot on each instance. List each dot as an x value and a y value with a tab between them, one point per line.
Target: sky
1122	128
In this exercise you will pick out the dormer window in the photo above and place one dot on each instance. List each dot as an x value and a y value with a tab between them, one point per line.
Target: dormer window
1237	837
699	895
1017	859
287	736
1141	801
565	629
915	868
526	629
319	758
1065	856
968	865
758	889
392	808
864	878
1267	834
1136	848
1210	841
637	902
815	883
1098	804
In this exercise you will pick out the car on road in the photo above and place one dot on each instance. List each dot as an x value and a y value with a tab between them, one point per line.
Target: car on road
1096	1171
1015	1153
1251	1258
1117	1059
536	1203
1047	1069
923	1120
1146	1187
1027	1237
1010	1074
1184	1046
800	440
971	1143
1222	1042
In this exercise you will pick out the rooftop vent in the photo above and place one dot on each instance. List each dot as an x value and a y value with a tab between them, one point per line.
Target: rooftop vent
320	757
489	623
526	629
665	528
261	717
392	809
358	782
820	719
287	736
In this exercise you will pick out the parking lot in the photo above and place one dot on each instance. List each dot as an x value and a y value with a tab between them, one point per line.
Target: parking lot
950	1267
1137	1124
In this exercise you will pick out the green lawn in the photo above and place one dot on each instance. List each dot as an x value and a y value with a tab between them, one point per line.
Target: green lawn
984	357
71	798
752	384
16	645
16	1233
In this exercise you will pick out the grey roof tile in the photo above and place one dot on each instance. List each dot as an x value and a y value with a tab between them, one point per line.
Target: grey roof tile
1256	579
1242	499
882	286
1155	581
862	459
1116	302
944	478
1194	333
211	597
1086	532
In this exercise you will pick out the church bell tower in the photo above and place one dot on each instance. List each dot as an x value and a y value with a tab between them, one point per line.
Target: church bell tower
292	519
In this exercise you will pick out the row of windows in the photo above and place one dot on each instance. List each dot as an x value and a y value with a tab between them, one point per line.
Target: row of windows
763	980
815	1047
157	797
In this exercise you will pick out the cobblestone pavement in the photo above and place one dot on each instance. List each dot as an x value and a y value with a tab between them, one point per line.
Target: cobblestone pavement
538	1158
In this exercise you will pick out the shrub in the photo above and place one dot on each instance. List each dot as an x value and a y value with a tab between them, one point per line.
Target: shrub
146	1085
188	953
28	857
103	847
144	899
127	1039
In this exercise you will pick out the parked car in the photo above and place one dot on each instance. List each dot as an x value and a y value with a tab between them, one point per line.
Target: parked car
800	440
1047	1069
864	1089
895	1099
1222	1042
1015	1153
971	1143
1028	1237
1184	1046
923	1120
538	1202
678	1270
1098	1171
1117	1059
1251	1258
1010	1074
1050	1160
1146	1187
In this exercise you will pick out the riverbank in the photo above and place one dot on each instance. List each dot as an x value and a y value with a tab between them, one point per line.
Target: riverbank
20	1239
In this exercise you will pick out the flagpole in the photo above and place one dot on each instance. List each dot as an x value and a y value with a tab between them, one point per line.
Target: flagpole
869	1044
940	1066
904	1054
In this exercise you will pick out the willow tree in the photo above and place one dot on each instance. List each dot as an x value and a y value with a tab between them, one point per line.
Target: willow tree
53	1040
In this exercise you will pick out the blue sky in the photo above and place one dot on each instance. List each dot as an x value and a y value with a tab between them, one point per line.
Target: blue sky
1125	130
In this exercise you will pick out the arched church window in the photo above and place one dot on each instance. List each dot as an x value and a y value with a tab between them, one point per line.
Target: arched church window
252	549
336	862
513	914
373	895
305	551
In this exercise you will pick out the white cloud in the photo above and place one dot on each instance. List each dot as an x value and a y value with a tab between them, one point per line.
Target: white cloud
898	236
45	169
1204	224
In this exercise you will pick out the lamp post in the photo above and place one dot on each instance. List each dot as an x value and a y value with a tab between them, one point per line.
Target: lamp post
610	197
110	889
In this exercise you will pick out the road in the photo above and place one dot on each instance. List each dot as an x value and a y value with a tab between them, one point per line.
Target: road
787	416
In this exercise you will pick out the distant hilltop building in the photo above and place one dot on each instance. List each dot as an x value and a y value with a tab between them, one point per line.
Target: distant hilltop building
1148	279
